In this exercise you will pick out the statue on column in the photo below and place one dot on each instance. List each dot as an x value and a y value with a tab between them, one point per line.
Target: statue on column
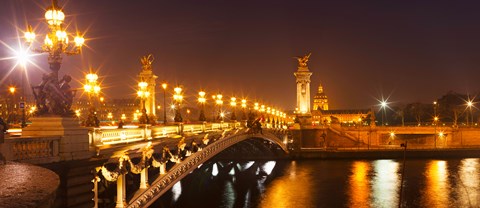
147	61
302	61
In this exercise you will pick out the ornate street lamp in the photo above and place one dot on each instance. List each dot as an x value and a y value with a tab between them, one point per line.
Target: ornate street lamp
92	88
56	43
383	105
244	106
143	93
233	104
178	97
219	102
202	100
164	86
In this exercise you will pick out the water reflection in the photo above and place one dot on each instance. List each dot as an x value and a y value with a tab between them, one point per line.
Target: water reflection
385	183
467	187
437	188
334	183
295	190
359	189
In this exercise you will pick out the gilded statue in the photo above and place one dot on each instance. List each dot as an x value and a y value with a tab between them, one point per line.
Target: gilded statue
147	61
302	61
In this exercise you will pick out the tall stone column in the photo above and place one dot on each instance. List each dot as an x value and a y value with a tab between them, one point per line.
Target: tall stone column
303	86
146	75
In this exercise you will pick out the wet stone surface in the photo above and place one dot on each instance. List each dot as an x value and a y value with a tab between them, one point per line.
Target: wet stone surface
24	185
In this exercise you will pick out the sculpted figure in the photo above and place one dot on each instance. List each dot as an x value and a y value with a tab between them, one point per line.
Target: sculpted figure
147	61
302	61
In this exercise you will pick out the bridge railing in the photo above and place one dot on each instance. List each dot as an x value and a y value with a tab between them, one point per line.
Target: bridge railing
108	136
36	150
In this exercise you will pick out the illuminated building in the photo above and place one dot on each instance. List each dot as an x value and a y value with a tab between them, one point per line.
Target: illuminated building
320	100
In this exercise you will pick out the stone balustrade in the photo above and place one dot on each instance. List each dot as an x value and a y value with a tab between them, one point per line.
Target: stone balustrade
36	150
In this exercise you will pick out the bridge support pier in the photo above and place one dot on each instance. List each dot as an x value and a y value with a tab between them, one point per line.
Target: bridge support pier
144	178
121	192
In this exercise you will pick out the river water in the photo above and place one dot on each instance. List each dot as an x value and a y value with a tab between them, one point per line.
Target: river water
333	183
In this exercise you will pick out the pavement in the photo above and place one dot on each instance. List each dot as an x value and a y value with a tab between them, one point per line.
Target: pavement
25	185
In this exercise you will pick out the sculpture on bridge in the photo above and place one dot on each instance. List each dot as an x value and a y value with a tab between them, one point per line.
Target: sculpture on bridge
147	61
302	61
54	97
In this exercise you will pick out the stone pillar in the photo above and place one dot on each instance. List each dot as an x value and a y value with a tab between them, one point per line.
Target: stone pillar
144	178
146	75
303	90
121	192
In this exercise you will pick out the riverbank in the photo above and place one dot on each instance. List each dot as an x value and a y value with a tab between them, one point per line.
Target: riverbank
386	153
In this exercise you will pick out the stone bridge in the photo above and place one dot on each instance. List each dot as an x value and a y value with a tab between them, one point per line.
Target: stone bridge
175	158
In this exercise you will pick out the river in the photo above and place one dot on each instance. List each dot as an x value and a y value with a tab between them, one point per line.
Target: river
333	183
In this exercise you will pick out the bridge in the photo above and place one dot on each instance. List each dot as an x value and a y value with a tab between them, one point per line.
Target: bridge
174	154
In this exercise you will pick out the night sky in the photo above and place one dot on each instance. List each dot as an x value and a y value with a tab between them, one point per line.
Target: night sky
408	50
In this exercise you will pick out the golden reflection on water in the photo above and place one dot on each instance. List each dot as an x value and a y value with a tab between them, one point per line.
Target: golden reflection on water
467	187
293	191
437	187
359	186
385	184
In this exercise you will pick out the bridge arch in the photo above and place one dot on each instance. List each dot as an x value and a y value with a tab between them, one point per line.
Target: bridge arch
164	182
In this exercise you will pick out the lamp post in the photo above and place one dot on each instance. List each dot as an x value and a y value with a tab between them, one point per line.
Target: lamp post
143	93
56	41
178	97
202	100
244	106
233	104
12	104
219	102
92	88
383	105
470	105
164	86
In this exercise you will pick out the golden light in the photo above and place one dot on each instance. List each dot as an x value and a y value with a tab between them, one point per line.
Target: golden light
11	89
143	85
77	113
109	116
164	86
172	106
188	111
123	117
158	107
91	77
244	103
233	102
392	134
177	90
222	114
435	118
469	103
202	98
255	106
29	35
219	96
441	134
87	88
102	99
54	15
79	41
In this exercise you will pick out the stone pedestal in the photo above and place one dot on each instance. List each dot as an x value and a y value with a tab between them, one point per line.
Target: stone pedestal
74	142
305	119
